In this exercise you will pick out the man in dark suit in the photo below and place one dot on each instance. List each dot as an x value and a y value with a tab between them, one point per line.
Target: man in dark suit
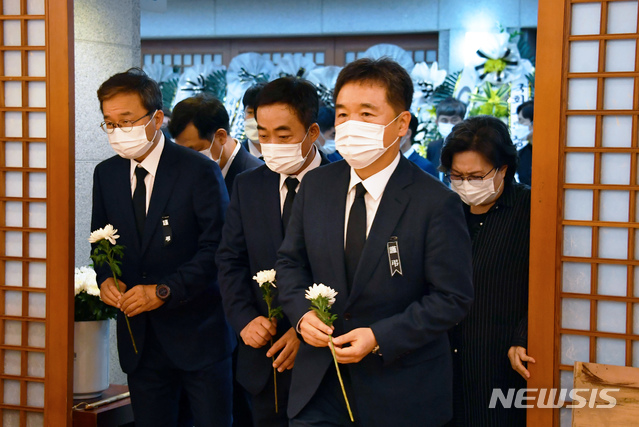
249	100
168	205
392	241
202	124
255	226
407	149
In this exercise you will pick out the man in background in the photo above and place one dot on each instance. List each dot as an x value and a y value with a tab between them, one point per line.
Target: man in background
449	112
251	143
201	123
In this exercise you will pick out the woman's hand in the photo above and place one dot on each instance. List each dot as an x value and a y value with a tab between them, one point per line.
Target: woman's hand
517	356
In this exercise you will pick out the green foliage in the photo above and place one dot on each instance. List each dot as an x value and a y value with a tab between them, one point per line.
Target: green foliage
490	101
215	84
169	89
446	89
90	307
320	306
268	294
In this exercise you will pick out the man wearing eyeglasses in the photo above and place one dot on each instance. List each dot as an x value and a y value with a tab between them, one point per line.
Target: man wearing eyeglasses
168	204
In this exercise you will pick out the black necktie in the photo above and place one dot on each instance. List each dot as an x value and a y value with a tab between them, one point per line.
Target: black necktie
291	185
139	199
355	233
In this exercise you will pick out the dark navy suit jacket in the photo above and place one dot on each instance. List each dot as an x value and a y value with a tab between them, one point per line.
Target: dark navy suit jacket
424	164
190	197
243	161
252	235
411	383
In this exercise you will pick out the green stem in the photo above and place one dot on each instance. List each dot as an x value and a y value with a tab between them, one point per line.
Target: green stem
348	406
274	379
117	285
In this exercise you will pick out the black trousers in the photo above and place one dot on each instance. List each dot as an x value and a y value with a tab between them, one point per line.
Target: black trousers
156	384
327	408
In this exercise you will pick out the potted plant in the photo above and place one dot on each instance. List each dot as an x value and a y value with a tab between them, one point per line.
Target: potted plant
91	343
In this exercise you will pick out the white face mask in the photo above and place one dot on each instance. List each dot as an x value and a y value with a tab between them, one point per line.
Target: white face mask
284	158
445	129
250	129
207	153
361	143
481	195
328	147
132	144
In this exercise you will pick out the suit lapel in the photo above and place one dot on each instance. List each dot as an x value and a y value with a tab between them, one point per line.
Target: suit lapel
334	217
270	205
391	208
165	178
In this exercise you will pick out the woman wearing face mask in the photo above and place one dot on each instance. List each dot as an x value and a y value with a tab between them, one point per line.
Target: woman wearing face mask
489	346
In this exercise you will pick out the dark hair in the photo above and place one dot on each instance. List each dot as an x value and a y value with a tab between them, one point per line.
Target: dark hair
386	72
413	127
133	80
250	96
298	94
527	108
486	136
451	107
206	113
326	118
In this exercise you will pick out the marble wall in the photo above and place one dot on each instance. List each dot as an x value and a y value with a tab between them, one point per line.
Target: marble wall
107	41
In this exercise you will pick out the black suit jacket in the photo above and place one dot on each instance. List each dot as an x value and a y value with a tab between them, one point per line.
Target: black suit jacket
190	198
251	237
243	161
408	313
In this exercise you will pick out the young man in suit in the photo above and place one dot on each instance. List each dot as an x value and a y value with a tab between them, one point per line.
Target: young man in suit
167	203
255	226
202	124
393	242
251	143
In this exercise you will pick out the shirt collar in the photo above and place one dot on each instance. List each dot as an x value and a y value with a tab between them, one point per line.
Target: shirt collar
227	166
409	152
151	162
317	160
375	184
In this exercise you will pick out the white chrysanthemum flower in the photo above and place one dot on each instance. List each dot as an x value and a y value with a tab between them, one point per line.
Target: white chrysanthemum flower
321	290
108	233
265	276
79	280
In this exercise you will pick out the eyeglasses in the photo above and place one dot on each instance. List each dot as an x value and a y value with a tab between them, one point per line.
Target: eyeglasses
125	125
475	181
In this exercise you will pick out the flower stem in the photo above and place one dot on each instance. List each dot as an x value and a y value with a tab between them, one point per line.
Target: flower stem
348	406
117	285
274	379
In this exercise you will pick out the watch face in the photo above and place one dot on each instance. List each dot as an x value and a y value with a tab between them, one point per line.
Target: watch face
163	291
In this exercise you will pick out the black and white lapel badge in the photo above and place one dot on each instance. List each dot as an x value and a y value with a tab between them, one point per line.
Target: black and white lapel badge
394	261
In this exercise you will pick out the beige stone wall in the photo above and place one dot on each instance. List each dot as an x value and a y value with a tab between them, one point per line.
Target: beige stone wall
107	41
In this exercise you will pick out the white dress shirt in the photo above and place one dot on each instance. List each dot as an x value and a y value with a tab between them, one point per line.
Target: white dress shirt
375	186
227	166
317	160
150	163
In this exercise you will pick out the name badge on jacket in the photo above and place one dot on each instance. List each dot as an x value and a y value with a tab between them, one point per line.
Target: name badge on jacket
394	261
166	230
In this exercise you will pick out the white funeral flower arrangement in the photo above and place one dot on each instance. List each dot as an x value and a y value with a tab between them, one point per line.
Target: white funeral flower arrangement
88	305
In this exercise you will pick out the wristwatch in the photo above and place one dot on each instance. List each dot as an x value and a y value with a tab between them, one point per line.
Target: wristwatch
163	292
376	350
